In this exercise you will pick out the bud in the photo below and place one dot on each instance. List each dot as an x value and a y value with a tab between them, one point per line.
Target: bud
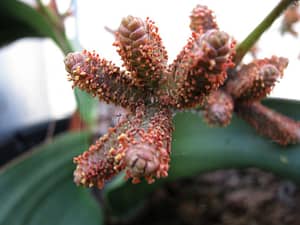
141	160
141	49
217	50
256	80
201	67
202	19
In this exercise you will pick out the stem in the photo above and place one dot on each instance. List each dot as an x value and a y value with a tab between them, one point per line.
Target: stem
250	40
64	44
51	17
59	32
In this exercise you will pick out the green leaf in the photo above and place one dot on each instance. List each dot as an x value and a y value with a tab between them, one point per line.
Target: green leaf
86	105
14	29
197	148
21	20
38	188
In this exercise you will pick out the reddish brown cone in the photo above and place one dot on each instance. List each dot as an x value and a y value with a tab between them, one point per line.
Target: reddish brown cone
269	123
103	79
201	67
255	81
139	144
141	49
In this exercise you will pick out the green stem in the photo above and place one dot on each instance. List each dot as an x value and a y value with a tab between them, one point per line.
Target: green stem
49	14
59	32
64	44
250	40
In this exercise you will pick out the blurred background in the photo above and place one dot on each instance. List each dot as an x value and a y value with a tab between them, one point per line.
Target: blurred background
33	84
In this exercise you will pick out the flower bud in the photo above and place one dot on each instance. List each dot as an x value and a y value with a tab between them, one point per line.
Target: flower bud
141	49
202	19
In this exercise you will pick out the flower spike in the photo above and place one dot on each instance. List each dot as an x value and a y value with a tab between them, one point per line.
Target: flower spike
140	145
201	67
103	79
101	161
255	81
141	49
267	122
149	156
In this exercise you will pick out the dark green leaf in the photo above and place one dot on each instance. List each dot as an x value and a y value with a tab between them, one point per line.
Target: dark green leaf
20	20
198	148
14	30
38	189
86	105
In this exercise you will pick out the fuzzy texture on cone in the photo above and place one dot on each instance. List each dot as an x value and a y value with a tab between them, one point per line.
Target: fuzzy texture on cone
256	80
269	123
141	49
103	79
139	144
201	67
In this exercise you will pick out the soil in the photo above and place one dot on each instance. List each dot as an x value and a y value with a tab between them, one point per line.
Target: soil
231	197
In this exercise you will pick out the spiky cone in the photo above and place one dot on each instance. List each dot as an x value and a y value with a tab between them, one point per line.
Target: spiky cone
141	50
256	80
103	79
218	108
200	68
100	162
202	19
140	145
269	123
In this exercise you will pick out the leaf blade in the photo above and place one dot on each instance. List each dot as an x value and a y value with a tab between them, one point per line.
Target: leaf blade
16	15
26	185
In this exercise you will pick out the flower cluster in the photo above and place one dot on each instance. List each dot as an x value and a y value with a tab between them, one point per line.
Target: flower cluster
203	74
243	92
